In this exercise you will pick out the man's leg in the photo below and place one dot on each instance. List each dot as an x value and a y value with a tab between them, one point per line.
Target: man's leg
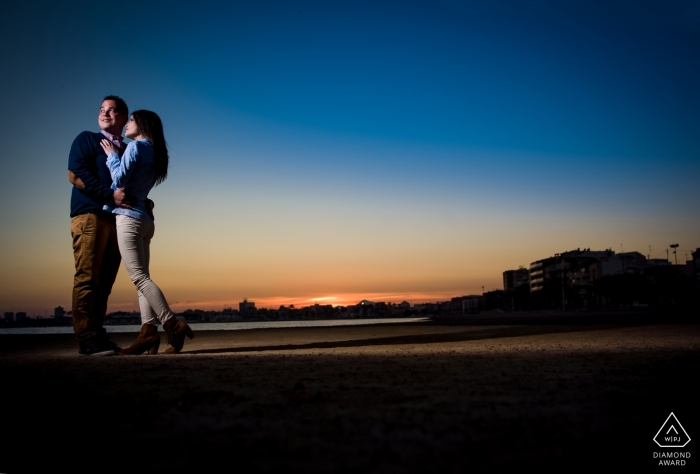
90	239
109	269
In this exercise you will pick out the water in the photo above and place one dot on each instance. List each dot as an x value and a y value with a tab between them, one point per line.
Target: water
240	326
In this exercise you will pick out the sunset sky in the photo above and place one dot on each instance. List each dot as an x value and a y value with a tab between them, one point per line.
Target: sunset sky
335	151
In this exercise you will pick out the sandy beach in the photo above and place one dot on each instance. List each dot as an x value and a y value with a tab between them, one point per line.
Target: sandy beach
411	397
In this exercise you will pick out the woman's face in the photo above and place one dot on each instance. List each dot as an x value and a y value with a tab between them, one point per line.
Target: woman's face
132	130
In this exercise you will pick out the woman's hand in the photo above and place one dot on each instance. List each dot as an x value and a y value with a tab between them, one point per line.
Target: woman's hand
108	146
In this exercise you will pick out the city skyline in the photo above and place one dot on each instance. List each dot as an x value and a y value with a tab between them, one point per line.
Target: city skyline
358	150
354	299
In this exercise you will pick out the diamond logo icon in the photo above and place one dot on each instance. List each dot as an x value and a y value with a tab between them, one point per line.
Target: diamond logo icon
672	434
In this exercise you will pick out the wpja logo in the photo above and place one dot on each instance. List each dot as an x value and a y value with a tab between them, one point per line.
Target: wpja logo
672	435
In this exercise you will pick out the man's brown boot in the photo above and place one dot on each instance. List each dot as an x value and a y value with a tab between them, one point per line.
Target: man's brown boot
148	340
175	331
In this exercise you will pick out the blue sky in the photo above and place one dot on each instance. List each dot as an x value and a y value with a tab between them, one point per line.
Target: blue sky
308	137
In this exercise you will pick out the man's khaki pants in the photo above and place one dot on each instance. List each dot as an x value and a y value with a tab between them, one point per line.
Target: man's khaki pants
97	261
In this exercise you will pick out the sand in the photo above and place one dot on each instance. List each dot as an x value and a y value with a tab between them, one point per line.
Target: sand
415	397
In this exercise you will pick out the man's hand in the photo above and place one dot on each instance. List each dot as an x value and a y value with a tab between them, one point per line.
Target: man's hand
122	199
75	181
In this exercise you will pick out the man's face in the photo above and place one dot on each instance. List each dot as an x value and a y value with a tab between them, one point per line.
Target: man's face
110	120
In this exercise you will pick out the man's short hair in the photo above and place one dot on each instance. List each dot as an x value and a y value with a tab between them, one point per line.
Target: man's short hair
122	108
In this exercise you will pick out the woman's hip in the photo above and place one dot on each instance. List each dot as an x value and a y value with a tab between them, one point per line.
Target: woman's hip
127	225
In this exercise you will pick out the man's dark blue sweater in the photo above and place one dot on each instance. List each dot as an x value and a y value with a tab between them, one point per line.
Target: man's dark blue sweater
88	161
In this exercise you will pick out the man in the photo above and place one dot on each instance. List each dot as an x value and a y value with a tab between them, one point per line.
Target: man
93	230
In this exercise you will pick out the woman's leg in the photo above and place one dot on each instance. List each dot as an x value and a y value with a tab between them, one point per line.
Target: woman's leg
134	236
148	316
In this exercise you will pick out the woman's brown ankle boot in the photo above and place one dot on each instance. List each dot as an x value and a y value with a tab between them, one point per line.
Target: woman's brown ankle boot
175	331
148	340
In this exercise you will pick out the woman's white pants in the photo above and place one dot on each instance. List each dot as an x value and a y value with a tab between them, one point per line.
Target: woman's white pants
134	237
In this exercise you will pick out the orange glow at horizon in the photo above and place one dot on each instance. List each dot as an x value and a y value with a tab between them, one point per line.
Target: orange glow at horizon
274	302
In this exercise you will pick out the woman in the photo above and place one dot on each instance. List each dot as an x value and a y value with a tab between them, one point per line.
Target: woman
143	165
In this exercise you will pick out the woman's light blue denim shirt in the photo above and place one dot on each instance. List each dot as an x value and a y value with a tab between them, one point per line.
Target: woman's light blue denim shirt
134	173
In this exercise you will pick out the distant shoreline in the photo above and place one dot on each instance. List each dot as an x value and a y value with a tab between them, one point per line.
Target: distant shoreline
619	315
230	326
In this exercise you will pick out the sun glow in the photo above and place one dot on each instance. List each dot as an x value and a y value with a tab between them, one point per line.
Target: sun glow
274	302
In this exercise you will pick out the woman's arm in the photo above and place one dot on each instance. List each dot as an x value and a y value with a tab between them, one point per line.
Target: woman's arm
120	169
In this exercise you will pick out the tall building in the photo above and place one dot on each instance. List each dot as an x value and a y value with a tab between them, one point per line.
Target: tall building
513	279
246	306
542	270
580	266
59	312
9	316
583	267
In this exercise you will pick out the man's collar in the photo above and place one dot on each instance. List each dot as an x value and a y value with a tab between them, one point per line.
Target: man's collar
117	140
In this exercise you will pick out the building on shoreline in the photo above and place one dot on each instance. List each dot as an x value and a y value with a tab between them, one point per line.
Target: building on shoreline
513	279
246	306
586	279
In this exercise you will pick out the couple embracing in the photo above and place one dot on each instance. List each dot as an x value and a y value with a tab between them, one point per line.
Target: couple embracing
112	220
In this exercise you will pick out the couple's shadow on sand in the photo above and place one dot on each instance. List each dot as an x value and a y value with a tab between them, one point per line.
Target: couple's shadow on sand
473	333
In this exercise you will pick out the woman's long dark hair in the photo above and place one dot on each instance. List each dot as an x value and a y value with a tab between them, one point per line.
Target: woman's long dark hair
151	127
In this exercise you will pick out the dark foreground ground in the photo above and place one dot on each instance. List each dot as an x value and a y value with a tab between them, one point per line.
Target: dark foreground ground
569	395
